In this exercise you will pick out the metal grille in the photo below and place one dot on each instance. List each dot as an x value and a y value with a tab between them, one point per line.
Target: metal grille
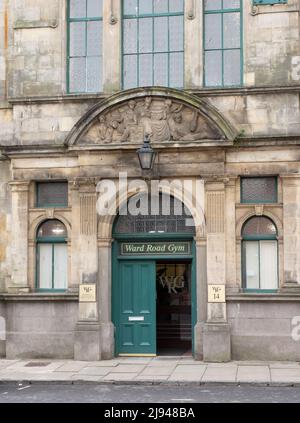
259	227
162	214
259	190
52	194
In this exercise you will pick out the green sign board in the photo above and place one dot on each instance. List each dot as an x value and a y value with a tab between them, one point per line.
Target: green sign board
155	248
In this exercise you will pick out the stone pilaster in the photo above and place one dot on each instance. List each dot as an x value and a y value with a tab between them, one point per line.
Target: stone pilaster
230	235
216	335
291	229
104	298
85	263
112	24
19	237
193	49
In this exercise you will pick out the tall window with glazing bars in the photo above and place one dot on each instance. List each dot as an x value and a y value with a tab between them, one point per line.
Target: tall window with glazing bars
84	46
153	43
223	43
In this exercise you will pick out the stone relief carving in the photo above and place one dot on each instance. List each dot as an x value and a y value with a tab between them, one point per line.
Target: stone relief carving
164	120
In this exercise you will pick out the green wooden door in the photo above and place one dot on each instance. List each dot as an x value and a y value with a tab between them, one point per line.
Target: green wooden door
136	320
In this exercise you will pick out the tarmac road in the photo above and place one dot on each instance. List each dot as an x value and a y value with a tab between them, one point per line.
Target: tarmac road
97	393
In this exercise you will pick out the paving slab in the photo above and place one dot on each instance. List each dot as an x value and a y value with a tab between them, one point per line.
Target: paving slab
220	374
157	371
95	371
114	377
251	374
103	363
151	378
285	375
127	368
72	366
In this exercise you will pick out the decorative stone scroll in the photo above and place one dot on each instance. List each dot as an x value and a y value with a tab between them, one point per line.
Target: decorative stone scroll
165	120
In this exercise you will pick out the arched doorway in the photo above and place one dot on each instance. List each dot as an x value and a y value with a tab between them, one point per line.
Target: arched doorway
153	269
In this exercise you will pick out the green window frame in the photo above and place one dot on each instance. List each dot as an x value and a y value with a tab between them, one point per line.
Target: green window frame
222	45
269	2
143	59
42	203
52	242
262	182
258	240
84	46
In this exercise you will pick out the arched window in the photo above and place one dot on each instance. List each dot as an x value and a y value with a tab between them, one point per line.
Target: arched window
52	256
260	254
154	214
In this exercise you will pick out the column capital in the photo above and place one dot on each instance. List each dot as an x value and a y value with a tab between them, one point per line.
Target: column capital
19	186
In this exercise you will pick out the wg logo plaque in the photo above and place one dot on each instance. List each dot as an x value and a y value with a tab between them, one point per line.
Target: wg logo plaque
87	293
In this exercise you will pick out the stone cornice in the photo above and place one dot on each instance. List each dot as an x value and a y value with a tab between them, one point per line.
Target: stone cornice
201	92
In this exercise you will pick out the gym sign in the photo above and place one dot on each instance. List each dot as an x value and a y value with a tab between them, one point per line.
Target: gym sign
155	248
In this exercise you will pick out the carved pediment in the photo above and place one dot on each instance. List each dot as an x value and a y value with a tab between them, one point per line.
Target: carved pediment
168	116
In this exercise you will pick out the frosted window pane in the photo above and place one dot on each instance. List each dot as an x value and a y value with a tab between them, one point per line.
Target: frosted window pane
176	32
60	266
94	8
268	265
130	71
145	6
146	70
231	4
77	39
45	266
77	8
252	264
77	74
213	4
130	7
130	36
160	6
94	38
176	6
161	69
94	74
232	67
232	30
213	31
213	68
176	70
145	35
161	34
259	190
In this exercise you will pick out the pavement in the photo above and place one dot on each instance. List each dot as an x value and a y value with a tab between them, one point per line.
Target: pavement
157	370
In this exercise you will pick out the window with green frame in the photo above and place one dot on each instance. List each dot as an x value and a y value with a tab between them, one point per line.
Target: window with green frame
153	43
271	2
84	46
223	59
260	254
52	256
259	190
51	194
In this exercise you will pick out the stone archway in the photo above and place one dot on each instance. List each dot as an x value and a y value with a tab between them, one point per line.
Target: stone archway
105	228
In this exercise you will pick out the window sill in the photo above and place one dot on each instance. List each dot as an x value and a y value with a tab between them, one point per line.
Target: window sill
271	296
41	296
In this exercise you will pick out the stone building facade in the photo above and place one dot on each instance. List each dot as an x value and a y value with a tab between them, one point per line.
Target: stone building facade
81	84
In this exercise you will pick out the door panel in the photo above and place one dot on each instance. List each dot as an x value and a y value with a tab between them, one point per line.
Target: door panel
137	310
